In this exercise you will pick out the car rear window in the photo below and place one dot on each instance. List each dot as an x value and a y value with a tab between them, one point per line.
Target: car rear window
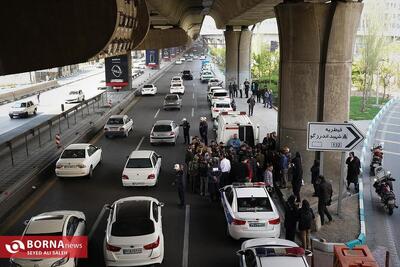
222	105
171	97
74	93
252	204
162	128
176	84
139	163
176	79
115	121
148	86
133	219
220	94
73	154
186	72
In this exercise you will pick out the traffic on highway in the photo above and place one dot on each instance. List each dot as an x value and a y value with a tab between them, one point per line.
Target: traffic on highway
128	189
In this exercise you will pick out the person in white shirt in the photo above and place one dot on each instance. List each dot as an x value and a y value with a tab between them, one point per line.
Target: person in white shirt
225	166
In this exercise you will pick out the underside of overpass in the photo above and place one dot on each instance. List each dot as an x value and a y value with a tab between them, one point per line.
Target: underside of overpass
316	42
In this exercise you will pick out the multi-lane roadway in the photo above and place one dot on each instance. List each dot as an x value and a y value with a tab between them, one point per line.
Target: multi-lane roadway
194	236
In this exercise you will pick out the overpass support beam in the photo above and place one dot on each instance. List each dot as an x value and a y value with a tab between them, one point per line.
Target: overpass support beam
237	55
316	47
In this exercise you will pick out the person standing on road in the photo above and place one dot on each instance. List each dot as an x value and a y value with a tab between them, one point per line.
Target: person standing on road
193	173
225	166
235	89
38	97
270	96
230	88
315	176
306	217
241	90
234	142
203	129
246	88
265	97
180	183
297	178
324	199
214	176
203	173
186	127
251	101
291	218
284	167
353	170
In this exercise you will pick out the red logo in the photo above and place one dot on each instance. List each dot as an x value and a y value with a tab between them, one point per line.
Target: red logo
40	247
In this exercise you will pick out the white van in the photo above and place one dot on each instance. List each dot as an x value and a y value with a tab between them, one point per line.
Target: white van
236	122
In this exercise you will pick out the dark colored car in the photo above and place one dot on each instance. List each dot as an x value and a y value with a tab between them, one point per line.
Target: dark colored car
186	75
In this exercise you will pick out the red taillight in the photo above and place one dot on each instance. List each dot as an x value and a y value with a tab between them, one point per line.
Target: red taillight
121	129
125	177
151	176
216	110
152	245
171	133
275	221
112	248
238	222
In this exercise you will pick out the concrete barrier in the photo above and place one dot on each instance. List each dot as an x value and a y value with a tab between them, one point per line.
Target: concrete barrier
26	91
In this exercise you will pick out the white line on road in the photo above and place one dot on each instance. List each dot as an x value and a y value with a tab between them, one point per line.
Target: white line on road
140	143
192	112
155	116
393	117
391	153
390	124
389	132
185	255
193	95
97	221
387	141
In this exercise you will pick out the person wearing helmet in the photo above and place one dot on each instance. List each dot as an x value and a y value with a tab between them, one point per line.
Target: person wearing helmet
180	183
186	127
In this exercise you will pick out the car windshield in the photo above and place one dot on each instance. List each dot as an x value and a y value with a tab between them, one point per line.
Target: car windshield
114	121
162	128
74	93
73	154
207	73
176	79
186	72
148	86
252	204
213	81
220	94
19	105
171	97
222	105
176	85
139	163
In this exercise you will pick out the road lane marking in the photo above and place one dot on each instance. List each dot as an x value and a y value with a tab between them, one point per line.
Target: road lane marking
155	116
185	255
390	124
140	143
389	132
16	217
192	112
393	117
193	95
97	221
391	153
387	141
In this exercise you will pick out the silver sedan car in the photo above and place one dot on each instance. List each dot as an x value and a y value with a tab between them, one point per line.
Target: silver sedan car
164	131
172	101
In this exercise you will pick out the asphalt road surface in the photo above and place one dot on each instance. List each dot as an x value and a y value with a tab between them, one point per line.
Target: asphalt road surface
382	229
202	221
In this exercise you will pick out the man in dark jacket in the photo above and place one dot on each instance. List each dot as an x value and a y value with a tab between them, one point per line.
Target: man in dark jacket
314	176
246	88
203	129
186	127
306	217
324	199
297	175
353	170
291	218
180	183
214	176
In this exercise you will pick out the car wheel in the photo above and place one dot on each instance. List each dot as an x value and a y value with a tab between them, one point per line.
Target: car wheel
90	175
83	99
34	112
26	115
11	116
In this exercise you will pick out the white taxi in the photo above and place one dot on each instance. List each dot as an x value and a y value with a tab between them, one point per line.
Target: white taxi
142	168
250	211
177	88
134	235
264	252
78	160
219	106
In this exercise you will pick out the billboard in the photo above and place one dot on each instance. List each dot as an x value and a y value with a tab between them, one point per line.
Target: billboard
165	54
152	58
117	70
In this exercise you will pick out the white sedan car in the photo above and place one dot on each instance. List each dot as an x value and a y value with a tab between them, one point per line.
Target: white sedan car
134	235
55	223
265	252
118	125
178	62
149	89
177	88
164	131
75	96
78	160
176	79
220	106
250	211
142	169
23	109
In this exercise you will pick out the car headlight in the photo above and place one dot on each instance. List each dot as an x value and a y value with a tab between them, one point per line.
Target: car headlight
61	262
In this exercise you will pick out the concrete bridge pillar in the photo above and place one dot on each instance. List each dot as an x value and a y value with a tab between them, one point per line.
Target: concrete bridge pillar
237	55
316	47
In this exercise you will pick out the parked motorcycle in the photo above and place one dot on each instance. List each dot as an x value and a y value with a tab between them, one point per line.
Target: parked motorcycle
383	184
377	156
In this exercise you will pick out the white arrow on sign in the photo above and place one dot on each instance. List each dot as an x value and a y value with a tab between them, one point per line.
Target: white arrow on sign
325	136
